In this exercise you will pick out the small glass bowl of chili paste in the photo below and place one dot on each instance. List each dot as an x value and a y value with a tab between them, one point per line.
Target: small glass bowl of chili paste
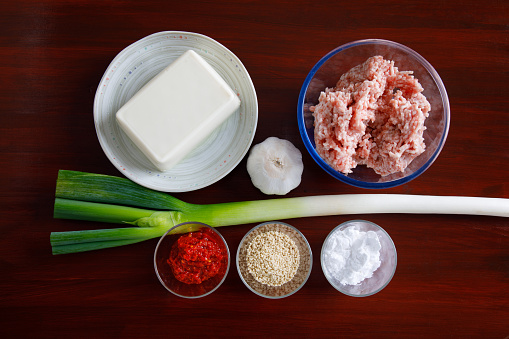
192	260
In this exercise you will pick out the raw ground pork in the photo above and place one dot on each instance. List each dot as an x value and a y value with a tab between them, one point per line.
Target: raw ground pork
374	116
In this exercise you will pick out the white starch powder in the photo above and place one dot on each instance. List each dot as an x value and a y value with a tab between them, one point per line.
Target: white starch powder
351	256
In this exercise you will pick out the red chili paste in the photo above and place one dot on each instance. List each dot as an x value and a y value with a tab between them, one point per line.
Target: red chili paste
196	256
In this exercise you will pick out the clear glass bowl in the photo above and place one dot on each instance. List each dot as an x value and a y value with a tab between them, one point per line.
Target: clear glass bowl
381	276
328	71
165	274
300	277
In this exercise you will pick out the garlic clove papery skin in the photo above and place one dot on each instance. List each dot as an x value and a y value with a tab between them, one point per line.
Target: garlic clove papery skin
275	166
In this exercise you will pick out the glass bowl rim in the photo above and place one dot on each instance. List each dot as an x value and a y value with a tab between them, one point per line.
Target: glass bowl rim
308	274
227	266
341	176
393	247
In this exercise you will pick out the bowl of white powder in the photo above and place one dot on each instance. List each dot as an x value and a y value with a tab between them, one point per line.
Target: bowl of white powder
373	113
274	260
358	258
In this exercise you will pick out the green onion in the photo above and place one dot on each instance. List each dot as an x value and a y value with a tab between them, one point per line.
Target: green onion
94	197
112	190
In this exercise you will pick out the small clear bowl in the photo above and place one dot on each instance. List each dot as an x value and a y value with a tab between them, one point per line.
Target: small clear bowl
165	274
327	72
381	277
300	277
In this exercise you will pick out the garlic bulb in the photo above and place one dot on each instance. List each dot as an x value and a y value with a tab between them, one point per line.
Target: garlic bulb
275	166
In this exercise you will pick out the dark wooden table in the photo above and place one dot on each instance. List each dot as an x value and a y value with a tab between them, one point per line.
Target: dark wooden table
452	278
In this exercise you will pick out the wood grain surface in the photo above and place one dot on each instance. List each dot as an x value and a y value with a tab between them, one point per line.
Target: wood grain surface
452	279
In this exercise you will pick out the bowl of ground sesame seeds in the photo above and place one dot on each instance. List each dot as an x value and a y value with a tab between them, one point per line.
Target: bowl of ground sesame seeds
274	260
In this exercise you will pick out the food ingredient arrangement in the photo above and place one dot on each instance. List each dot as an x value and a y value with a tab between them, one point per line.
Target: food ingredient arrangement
95	197
374	116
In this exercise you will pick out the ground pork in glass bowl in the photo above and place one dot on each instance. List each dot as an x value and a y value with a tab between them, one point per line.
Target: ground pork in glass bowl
373	113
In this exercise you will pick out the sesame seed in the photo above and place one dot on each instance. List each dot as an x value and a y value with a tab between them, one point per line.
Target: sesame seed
290	272
272	258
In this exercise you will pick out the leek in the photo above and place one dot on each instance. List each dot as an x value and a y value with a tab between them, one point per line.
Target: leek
94	197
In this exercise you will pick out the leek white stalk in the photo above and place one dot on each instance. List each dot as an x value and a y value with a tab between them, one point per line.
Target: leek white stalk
155	221
244	212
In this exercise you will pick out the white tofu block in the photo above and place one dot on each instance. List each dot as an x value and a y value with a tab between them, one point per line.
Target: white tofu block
176	110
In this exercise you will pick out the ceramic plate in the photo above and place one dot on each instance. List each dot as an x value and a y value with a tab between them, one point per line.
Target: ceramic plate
213	159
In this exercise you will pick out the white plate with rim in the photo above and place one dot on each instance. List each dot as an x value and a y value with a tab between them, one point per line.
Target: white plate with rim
214	158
